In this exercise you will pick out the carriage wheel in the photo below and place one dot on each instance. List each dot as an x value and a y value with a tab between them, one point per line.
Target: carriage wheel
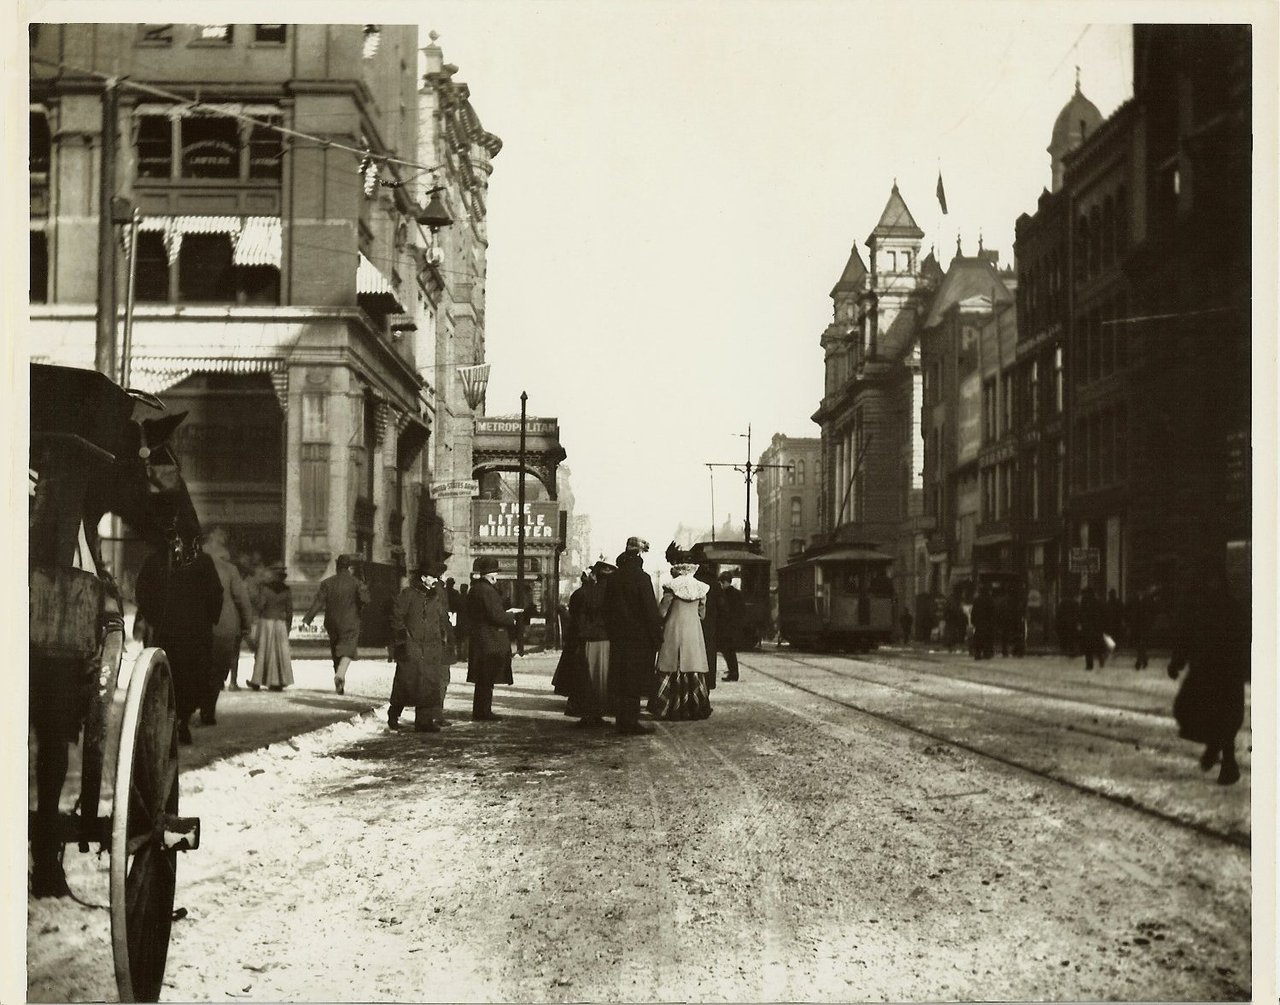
143	865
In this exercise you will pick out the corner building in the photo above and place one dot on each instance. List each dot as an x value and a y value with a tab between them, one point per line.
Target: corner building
283	285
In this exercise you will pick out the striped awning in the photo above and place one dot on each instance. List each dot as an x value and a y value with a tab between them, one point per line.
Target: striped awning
369	279
157	374
260	242
256	240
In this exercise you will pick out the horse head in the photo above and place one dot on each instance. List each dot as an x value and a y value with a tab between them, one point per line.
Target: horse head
144	486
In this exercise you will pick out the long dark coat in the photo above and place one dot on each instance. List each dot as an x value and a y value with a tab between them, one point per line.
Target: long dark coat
635	628
1212	642
342	597
571	671
732	619
489	652
420	634
182	603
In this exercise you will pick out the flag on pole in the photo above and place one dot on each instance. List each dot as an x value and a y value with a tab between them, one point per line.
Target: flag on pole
942	195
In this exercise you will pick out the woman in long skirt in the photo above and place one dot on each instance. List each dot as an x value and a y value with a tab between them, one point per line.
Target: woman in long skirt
682	660
271	667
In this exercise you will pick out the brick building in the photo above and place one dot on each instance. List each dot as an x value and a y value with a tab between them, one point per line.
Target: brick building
286	295
788	499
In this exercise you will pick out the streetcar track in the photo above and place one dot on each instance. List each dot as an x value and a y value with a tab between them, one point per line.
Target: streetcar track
1125	741
1127	801
929	659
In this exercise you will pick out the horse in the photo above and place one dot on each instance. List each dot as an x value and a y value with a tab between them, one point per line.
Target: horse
89	457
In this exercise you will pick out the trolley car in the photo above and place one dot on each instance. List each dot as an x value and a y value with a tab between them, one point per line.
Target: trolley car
744	561
126	720
837	598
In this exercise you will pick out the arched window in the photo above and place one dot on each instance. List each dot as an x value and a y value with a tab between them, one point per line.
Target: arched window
797	511
800	472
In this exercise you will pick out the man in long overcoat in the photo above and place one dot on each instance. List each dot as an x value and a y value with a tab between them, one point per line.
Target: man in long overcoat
342	597
488	624
420	634
635	635
731	621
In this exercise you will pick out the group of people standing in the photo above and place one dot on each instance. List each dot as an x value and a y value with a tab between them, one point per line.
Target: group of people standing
1093	627
623	646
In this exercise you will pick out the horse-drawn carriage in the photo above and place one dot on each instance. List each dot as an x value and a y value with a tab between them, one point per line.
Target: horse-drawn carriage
89	457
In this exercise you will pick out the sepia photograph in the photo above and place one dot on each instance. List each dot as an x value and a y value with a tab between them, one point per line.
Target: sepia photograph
656	501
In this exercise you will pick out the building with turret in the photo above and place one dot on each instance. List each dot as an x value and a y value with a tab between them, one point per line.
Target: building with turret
872	449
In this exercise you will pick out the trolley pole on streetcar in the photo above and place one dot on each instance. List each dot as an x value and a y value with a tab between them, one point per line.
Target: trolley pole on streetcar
749	471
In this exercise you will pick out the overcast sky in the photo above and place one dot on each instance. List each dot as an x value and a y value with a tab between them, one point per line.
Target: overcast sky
679	188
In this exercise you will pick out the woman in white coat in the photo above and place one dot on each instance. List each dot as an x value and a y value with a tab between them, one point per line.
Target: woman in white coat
682	660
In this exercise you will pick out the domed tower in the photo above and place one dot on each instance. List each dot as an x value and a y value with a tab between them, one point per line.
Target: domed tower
1077	120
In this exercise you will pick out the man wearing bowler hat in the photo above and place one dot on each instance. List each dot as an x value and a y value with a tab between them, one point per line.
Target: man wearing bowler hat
488	622
420	634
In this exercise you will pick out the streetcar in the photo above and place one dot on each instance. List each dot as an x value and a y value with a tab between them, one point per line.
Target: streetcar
751	571
838	597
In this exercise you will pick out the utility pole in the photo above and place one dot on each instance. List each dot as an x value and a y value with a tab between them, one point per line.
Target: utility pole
104	356
749	472
518	600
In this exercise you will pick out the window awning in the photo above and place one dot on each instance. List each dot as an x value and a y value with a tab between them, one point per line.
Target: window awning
369	279
157	374
176	110
260	242
256	240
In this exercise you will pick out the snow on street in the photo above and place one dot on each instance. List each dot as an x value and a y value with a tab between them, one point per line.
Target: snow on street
908	826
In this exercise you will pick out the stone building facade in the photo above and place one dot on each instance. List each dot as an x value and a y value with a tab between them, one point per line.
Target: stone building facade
280	279
788	494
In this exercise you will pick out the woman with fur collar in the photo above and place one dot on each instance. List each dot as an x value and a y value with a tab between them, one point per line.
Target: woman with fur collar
682	660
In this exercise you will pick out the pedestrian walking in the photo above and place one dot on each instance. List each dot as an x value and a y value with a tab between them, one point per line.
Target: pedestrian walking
730	622
1211	642
593	630
907	621
342	597
1140	613
233	627
635	634
682	659
984	624
1091	629
272	664
1067	624
489	655
420	635
180	598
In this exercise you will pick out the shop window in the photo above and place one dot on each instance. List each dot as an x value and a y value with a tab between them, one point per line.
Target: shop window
155	34
39	267
205	272
210	147
38	155
266	146
155	146
270	34
151	276
214	34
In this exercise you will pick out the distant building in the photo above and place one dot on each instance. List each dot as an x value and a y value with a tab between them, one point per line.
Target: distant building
788	499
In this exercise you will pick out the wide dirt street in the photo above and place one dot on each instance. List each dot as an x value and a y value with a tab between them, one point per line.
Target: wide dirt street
909	826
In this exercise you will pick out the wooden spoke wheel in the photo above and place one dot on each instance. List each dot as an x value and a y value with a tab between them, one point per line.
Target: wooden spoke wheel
143	853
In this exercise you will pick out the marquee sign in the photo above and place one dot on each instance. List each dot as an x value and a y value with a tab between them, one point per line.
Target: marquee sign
494	522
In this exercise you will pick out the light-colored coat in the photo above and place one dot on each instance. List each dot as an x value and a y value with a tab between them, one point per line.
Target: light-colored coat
682	608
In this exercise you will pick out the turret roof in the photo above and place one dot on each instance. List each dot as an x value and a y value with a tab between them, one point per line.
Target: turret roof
1078	119
896	220
854	277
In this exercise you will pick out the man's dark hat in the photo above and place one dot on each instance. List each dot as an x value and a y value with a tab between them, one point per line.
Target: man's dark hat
602	568
436	569
484	565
